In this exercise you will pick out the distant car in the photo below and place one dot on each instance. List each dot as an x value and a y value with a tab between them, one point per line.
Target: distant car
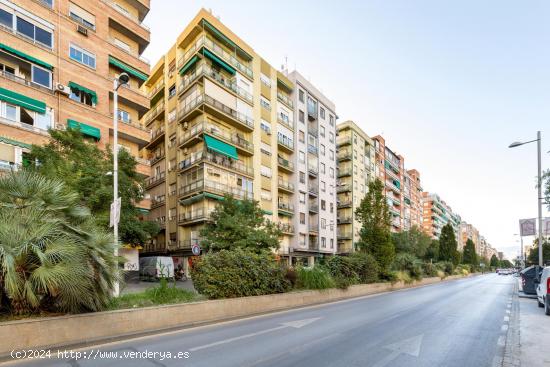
543	290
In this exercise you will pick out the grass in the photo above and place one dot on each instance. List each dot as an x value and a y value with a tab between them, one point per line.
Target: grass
314	278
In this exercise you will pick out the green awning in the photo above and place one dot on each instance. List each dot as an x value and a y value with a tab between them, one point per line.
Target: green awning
200	197
267	212
143	210
189	64
130	70
85	129
220	147
73	85
23	55
14	142
213	196
221	36
23	101
219	61
285	213
288	87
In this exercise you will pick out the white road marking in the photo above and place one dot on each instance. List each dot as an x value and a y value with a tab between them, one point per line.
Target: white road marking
501	341
506	318
409	346
504	327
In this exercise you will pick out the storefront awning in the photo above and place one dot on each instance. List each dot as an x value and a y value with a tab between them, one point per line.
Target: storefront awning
219	61
130	70
21	100
189	64
219	146
85	129
78	87
25	56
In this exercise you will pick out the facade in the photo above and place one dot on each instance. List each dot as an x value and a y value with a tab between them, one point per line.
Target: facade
412	198
468	231
436	214
315	176
223	122
356	168
58	60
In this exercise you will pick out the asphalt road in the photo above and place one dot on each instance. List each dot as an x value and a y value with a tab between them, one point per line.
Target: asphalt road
458	323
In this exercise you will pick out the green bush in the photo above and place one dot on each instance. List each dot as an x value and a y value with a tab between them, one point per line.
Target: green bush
462	269
401	276
291	276
238	273
408	263
162	294
316	277
430	270
446	266
365	267
343	269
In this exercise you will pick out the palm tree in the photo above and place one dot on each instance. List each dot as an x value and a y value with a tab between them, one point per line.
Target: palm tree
52	255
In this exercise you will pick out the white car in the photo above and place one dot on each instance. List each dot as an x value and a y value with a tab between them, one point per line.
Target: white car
543	290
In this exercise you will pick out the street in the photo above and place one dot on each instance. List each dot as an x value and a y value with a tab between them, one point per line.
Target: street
456	323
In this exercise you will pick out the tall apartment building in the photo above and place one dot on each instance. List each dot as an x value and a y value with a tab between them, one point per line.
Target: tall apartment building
315	198
412	199
468	231
223	122
436	214
58	59
356	168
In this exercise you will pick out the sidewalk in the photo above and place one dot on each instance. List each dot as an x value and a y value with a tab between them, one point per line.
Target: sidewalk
534	334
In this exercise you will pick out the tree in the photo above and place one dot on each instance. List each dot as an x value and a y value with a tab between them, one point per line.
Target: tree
506	264
239	224
432	253
86	170
448	245
52	255
533	257
375	235
413	241
494	261
469	256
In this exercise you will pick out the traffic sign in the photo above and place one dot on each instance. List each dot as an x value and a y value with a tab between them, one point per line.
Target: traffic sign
196	249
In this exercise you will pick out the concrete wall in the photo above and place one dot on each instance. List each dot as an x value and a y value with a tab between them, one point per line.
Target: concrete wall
86	329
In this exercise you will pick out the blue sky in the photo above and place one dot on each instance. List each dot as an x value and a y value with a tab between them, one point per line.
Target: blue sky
449	84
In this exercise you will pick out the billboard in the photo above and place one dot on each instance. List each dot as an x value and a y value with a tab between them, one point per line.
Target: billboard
527	227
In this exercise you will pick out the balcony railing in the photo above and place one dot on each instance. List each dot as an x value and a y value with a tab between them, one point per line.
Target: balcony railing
285	163
204	156
284	205
128	15
158	201
153	180
313	244
24	81
344	172
132	123
313	207
343	220
157	132
130	52
312	169
312	149
313	228
187	244
285	99
285	122
204	98
195	215
204	70
313	190
343	188
153	113
215	187
211	129
218	50
344	203
156	88
286	185
289	144
286	227
344	140
157	158
343	235
344	155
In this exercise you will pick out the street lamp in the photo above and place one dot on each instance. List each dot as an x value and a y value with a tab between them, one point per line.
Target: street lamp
117	82
522	259
539	184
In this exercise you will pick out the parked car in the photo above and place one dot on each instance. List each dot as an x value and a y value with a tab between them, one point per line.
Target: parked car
528	276
156	267
543	290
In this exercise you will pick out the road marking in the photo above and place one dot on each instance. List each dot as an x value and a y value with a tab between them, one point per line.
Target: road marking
409	346
504	327
294	324
501	341
506	318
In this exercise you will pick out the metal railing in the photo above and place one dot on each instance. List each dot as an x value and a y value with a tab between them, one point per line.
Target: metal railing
313	207
343	220
153	180
313	228
313	190
343	234
284	205
285	163
215	187
211	129
289	144
159	200
312	149
24	81
195	214
157	132
286	185
285	99
344	203
312	169
156	88
286	227
204	98
153	113
285	122
204	156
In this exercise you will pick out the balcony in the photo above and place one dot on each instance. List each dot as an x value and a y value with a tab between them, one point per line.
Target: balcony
205	41
214	188
129	51
342	172
195	215
393	187
285	164
156	136
344	155
313	207
311	110
344	203
344	248
157	201
161	221
194	134
285	99
312	149
218	159
285	143
205	70
344	220
313	228
286	228
155	180
313	244
25	82
312	170
343	188
285	122
156	88
153	114
313	129
344	140
344	235
192	109
312	190
285	206
127	14
187	244
285	186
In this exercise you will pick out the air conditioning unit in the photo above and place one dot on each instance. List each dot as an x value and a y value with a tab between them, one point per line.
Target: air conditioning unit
82	30
62	89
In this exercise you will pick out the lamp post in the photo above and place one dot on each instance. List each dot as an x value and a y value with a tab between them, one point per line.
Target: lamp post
539	184
117	82
522	259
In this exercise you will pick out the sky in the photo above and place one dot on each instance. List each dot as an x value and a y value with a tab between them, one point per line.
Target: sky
449	84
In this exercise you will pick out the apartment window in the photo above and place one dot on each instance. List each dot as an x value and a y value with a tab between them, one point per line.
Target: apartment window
265	103
81	97
122	45
323	186
322	112
331	154
331	207
34	32
265	126
171	68
301	95
82	56
301	136
323	205
265	171
322	131
331	120
302	157
322	149
331	137
265	148
9	111
283	115
265	80
302	177
331	172
323	223
323	168
41	76
302	197
124	116
172	189
172	115
27	117
172	91
265	195
301	116
323	240
302	218
6	19
81	16
332	243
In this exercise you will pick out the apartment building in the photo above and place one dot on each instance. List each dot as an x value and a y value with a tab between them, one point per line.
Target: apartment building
356	168
436	214
223	122
469	232
412	200
58	59
315	177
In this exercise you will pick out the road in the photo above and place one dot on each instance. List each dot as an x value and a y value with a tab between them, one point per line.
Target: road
456	323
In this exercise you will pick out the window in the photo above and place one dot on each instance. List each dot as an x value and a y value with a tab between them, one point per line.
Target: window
265	171
302	198
322	149
302	218
322	131
302	157
331	172
265	195
81	16
6	19
323	205
33	32
172	115
265	148
171	68
301	116
41	76
10	112
331	154
301	95
331	137
172	189
323	168
172	91
265	80
332	207
322	112
122	45
323	186
81	97
82	56
323	240
265	103
331	120
302	177
265	126
332	243
301	136
124	116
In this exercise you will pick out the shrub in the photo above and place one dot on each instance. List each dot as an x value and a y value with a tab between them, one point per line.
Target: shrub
343	268
316	277
291	276
238	273
462	269
402	276
161	295
445	266
430	270
409	263
365	266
